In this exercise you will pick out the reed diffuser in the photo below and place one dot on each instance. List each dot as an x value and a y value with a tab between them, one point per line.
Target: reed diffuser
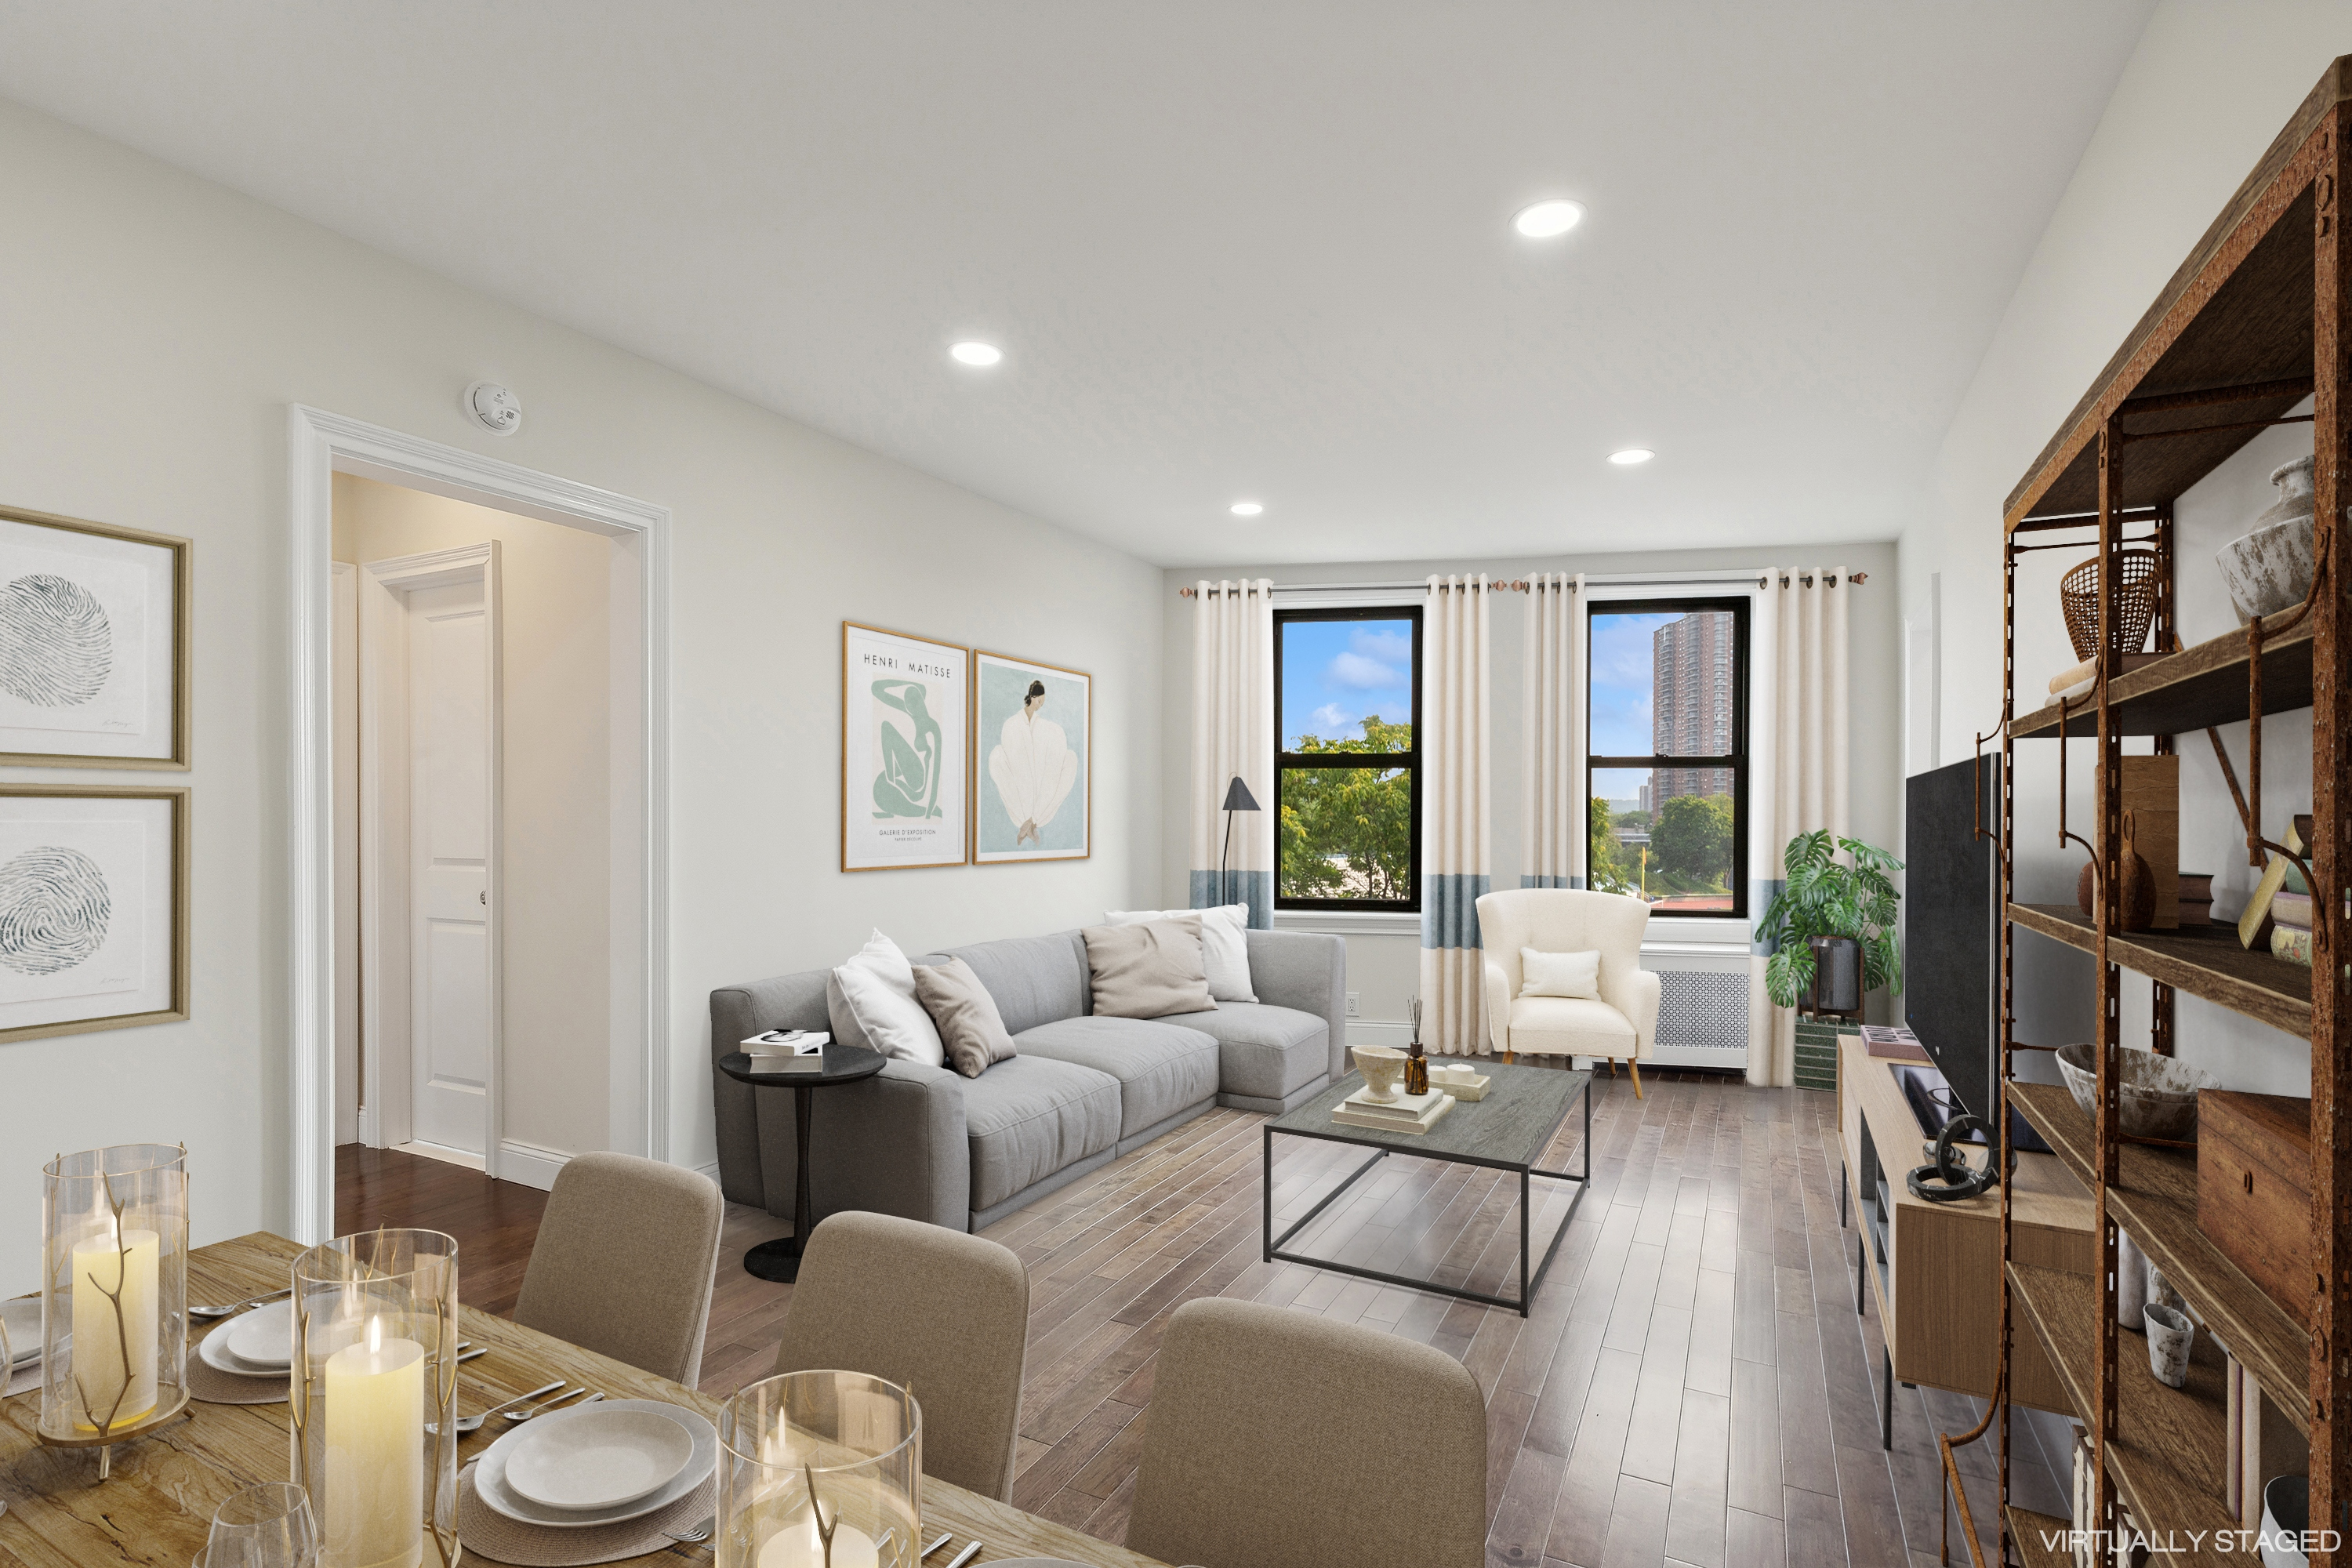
1416	1060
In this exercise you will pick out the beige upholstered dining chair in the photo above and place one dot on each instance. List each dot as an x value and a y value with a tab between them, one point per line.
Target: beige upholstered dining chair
941	1312
1621	1024
624	1262
1249	1408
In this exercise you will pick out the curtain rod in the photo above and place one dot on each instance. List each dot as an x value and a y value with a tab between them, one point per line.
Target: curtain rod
1522	585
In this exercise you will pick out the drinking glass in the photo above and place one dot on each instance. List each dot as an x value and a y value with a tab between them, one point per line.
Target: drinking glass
265	1526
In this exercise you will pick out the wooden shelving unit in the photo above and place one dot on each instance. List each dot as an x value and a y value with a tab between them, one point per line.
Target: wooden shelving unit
2209	964
2257	318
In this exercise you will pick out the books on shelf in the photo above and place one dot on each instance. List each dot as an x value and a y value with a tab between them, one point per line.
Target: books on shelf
1413	1113
1894	1043
788	1050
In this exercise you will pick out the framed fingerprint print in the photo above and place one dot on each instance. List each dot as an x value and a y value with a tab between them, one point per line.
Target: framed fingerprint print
93	644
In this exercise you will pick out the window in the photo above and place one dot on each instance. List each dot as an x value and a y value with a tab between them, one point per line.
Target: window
1667	752
1347	689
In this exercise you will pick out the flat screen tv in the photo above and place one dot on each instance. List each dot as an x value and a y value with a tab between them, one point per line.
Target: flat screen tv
1950	922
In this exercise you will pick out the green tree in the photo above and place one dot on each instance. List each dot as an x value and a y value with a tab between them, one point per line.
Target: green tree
1604	868
1692	839
1346	833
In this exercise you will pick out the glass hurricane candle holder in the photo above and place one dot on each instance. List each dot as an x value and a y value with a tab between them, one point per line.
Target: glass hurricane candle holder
114	1294
374	1393
820	1469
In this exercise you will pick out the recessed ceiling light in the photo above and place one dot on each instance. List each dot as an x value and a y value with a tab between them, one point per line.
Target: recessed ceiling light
1631	456
1548	220
1248	508
976	354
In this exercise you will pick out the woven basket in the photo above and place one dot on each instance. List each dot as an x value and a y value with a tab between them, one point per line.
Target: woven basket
2078	591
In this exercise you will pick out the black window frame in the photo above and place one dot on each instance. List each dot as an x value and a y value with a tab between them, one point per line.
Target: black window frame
1735	760
1409	761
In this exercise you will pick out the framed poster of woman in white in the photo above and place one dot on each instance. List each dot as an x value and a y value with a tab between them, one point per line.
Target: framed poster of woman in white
93	908
904	756
1034	790
93	644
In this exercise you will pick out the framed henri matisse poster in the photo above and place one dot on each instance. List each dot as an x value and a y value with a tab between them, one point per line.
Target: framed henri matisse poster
1033	791
93	644
905	753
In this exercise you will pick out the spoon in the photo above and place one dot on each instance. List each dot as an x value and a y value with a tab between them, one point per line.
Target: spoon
465	1424
544	1407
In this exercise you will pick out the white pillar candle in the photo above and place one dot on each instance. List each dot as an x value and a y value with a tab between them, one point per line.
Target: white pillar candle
375	1511
798	1545
106	1271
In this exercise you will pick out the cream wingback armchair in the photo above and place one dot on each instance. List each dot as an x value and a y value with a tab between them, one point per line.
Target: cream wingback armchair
1621	1024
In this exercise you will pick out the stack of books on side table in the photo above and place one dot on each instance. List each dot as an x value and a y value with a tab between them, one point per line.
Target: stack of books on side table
1413	1113
788	1050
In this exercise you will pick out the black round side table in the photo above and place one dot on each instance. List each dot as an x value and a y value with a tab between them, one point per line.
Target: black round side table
780	1260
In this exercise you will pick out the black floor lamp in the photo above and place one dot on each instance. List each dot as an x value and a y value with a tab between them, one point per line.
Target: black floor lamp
1237	798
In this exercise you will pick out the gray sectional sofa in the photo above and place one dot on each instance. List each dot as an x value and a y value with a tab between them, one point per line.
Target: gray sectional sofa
927	1143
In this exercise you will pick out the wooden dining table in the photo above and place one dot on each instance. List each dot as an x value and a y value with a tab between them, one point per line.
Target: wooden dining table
158	1504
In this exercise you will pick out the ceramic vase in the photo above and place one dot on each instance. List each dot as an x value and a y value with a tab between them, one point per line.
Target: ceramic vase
2269	569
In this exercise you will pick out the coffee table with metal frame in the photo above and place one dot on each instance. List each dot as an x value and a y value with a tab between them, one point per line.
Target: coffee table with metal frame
1507	1131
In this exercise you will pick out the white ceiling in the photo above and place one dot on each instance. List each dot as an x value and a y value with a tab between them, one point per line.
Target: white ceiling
1230	249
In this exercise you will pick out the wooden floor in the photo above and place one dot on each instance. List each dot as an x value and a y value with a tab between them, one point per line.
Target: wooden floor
1694	1387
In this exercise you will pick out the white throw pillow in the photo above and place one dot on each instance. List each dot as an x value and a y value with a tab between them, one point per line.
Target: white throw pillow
871	1002
1225	949
1559	974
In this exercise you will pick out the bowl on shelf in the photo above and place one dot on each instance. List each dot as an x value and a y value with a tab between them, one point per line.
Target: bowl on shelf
2159	1094
2287	1515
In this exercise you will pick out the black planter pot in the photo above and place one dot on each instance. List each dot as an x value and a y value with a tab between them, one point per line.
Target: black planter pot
1837	976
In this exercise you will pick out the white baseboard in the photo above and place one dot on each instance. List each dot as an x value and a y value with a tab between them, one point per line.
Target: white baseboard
530	1165
448	1156
1363	1033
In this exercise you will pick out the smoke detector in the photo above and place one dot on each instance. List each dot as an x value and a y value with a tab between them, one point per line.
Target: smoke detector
493	408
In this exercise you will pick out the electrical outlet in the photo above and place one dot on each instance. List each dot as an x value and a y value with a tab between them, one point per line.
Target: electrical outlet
1353	1011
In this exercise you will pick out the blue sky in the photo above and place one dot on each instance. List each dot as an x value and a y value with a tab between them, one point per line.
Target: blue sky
1336	673
1621	704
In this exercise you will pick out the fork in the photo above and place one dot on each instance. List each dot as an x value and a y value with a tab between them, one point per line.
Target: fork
696	1536
209	1313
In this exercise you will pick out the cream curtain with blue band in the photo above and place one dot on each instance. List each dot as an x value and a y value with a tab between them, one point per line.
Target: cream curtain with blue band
1453	747
1233	737
1797	769
1552	827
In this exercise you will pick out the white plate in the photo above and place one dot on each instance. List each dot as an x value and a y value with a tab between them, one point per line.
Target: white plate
263	1338
490	1471
214	1352
603	1458
23	1316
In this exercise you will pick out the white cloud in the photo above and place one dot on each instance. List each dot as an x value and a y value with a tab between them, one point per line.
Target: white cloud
1389	647
1331	718
1365	674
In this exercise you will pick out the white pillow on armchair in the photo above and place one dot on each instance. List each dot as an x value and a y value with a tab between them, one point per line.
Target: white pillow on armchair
1559	974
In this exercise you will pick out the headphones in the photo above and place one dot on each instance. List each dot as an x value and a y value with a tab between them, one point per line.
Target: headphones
1949	1180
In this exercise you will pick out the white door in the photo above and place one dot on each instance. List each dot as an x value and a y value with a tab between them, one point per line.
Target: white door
429	780
450	864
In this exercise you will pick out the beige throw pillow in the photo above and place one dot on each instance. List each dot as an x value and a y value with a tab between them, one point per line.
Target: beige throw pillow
1149	970
970	1028
1559	974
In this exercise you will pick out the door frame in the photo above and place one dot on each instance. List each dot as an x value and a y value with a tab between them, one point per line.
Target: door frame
388	954
321	444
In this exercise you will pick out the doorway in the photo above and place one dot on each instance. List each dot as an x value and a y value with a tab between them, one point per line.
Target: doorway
452	883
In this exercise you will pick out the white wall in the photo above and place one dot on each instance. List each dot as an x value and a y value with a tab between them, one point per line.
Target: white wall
554	602
1386	969
159	327
2204	93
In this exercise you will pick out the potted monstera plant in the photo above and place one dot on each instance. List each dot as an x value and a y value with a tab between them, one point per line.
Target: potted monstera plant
1832	926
